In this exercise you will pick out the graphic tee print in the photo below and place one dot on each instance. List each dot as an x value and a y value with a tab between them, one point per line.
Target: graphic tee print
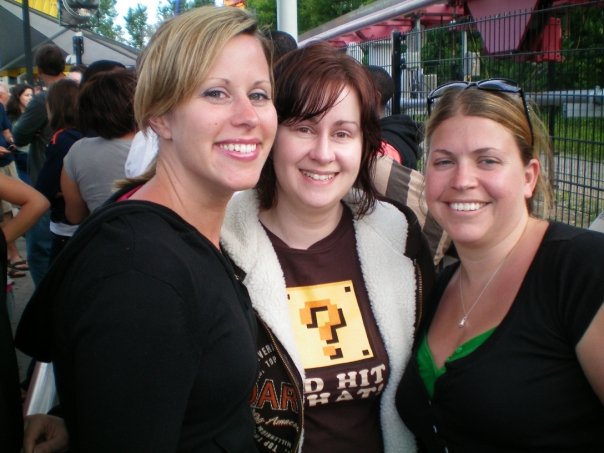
338	341
327	320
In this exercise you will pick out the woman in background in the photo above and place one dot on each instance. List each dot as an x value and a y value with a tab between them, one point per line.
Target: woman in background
93	164
62	105
509	354
21	94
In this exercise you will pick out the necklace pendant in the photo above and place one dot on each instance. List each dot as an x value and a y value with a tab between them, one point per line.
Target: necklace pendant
462	323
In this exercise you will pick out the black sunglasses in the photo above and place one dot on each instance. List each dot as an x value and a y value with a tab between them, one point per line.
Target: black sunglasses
497	85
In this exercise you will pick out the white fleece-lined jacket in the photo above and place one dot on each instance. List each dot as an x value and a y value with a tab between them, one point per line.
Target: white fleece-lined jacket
389	278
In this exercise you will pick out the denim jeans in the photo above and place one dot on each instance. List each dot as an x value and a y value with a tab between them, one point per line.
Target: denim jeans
38	242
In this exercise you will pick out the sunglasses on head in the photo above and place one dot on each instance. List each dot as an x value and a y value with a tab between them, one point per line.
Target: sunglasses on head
496	85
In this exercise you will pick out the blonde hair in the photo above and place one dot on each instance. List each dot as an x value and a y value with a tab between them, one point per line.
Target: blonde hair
180	54
505	109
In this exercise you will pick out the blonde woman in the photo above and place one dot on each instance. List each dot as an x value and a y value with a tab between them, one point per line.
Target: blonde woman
153	337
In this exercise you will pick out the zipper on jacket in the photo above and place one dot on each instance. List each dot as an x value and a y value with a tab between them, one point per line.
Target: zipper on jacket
419	305
294	378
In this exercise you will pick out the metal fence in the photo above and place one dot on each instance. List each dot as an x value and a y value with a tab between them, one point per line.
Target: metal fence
555	54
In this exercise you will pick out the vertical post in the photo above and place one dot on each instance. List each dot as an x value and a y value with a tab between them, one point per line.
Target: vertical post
78	46
287	17
29	67
396	71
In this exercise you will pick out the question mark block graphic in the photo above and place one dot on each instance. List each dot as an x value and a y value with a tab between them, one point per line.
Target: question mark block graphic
328	325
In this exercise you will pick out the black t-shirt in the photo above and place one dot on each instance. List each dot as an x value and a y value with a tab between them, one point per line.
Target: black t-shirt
523	389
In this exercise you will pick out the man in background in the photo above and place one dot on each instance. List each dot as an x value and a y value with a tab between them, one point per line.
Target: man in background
33	129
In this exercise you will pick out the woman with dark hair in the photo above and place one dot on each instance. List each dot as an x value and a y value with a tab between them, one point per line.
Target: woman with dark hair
20	96
62	106
93	164
329	268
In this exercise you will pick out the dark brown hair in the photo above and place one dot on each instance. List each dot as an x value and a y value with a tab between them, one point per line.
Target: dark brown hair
106	104
308	82
62	102
50	60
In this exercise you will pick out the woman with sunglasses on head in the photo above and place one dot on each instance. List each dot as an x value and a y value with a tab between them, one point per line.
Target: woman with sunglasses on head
331	271
152	337
509	354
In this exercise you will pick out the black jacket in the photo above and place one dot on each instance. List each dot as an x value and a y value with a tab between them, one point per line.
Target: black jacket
405	135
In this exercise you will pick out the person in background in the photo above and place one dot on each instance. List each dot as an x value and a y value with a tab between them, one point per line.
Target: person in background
16	265
99	66
402	135
93	164
393	178
76	72
62	101
33	129
21	95
282	42
33	205
151	335
330	270
509	354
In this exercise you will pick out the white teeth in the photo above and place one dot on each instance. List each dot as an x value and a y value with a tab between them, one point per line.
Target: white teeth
466	206
317	177
239	148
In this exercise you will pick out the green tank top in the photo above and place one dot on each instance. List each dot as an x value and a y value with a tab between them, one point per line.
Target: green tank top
428	370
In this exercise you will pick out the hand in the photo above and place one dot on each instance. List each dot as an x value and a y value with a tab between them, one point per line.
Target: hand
45	434
3	151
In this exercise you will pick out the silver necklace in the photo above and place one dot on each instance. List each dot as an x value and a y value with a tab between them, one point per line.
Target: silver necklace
466	313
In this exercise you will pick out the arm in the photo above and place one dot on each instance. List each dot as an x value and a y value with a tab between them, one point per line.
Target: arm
33	205
76	209
30	123
589	352
135	366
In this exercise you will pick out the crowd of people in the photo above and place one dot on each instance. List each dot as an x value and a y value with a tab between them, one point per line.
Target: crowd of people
250	260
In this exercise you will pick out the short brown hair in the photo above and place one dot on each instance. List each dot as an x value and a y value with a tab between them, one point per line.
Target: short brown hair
50	60
308	83
106	104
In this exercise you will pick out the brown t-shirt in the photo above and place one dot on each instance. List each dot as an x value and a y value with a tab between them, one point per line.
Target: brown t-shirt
340	346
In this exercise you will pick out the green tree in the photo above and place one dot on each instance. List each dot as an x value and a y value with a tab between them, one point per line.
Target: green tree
265	11
105	25
173	7
136	26
311	13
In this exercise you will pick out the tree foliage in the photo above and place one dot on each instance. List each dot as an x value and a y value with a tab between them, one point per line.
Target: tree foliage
175	7
311	13
105	24
265	11
136	26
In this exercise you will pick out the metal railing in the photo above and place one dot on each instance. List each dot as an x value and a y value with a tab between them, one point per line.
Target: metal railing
555	54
